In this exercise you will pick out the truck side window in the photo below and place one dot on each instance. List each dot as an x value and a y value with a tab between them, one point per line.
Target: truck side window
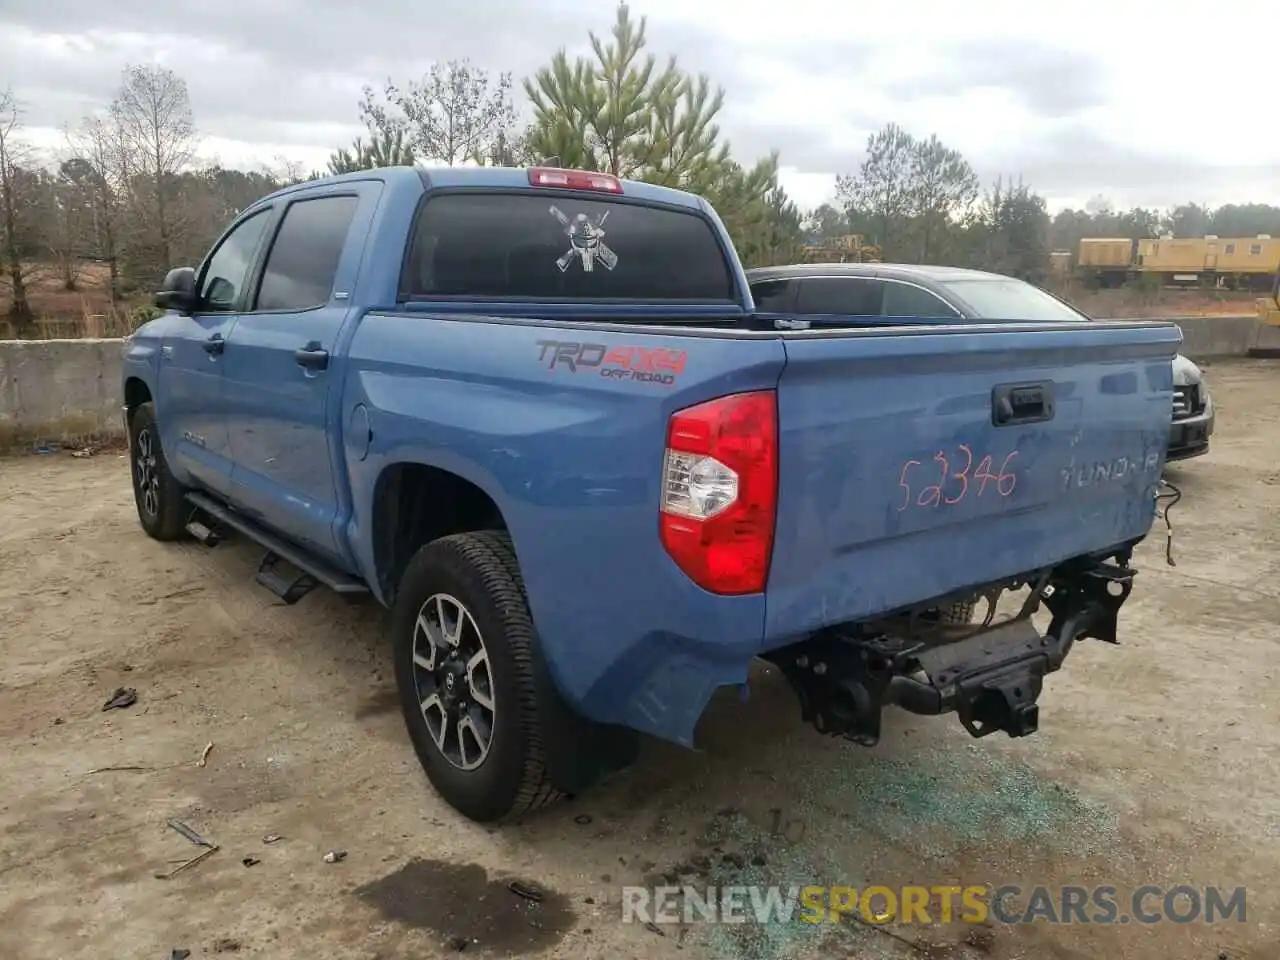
228	268
771	296
304	257
843	296
908	300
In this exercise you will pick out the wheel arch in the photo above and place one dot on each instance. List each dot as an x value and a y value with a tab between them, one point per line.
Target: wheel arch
136	393
413	503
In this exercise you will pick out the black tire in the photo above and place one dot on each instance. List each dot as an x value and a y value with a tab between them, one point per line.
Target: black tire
157	495
480	572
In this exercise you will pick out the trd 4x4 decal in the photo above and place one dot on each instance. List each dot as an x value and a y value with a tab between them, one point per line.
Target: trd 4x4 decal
648	364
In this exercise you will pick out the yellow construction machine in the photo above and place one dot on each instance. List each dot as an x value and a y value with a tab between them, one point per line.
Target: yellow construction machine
1269	307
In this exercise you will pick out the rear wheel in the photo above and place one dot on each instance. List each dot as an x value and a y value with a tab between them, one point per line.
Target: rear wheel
463	648
157	495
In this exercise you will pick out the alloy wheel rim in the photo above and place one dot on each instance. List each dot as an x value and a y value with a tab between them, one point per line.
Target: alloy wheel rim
146	477
453	681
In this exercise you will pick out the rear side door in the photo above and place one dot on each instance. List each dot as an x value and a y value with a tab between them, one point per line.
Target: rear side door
282	361
191	398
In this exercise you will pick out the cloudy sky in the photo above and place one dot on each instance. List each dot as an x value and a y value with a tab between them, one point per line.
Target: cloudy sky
1144	104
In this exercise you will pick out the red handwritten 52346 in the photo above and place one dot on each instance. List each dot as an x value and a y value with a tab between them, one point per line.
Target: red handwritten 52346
951	479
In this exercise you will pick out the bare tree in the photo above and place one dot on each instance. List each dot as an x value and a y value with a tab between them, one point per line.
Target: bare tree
68	220
943	188
285	170
881	190
454	113
97	163
16	157
507	149
153	113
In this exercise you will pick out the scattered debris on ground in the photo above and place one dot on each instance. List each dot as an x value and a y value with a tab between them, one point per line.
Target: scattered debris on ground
209	848
123	697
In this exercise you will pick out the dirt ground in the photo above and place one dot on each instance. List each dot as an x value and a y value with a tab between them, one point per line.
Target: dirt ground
1157	762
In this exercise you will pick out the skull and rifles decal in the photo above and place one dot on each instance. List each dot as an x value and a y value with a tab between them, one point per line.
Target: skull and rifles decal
585	243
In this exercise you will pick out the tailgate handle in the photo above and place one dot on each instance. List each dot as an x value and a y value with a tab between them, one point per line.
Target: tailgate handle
1014	403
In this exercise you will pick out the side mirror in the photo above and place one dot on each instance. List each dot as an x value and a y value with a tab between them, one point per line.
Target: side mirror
178	292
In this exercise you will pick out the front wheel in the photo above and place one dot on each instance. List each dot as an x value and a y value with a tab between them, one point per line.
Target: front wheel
463	648
157	495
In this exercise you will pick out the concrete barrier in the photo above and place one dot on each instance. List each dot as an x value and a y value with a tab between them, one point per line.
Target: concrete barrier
67	391
1213	338
59	391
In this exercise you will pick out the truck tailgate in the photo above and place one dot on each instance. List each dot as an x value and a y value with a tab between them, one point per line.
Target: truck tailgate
917	462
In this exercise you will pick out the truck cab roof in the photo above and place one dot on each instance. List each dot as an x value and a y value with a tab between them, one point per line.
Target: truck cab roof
495	178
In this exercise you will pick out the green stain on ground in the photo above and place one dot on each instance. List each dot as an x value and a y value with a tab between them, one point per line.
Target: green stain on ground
737	853
743	854
944	801
936	804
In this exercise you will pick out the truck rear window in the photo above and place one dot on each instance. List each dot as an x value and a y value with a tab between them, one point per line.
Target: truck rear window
556	247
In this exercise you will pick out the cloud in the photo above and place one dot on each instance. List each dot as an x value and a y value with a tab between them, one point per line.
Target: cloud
1051	82
1056	102
1076	156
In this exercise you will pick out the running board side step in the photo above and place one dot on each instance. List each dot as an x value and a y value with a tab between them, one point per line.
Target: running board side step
288	586
311	570
203	533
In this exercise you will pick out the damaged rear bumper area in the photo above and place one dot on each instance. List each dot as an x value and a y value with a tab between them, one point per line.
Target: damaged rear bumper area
989	674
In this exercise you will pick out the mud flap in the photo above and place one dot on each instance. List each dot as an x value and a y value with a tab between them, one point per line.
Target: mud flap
579	751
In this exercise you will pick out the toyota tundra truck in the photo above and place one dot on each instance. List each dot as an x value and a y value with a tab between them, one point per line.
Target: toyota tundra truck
535	414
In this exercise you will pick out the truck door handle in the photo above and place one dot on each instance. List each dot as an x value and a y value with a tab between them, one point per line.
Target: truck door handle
1014	403
312	356
215	345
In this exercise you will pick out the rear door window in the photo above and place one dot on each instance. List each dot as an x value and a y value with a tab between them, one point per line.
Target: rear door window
304	258
908	300
548	246
842	296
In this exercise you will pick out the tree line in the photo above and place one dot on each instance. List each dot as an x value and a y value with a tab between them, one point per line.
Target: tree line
918	200
128	191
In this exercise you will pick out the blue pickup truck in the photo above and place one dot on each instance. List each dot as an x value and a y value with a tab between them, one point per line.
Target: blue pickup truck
536	415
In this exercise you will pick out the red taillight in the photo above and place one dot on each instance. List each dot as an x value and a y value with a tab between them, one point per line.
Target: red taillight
574	179
720	491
